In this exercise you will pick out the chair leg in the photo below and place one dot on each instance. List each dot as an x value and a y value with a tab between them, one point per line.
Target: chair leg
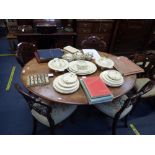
126	121
34	126
114	125
51	122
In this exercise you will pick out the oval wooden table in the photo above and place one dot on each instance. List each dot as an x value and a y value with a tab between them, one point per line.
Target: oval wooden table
48	93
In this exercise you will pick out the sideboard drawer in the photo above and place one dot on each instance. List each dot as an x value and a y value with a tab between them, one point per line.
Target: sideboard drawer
84	30
85	25
105	27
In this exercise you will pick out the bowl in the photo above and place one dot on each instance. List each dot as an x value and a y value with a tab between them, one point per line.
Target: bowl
58	64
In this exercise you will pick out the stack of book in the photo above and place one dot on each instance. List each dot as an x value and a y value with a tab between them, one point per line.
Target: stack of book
96	90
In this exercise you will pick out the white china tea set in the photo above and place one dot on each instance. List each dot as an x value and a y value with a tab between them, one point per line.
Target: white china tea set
80	64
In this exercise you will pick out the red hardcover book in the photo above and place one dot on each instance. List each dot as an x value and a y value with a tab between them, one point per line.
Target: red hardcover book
96	87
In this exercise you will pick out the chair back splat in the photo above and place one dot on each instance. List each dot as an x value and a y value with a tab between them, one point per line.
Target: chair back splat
122	107
93	42
41	108
25	52
47	113
147	62
134	98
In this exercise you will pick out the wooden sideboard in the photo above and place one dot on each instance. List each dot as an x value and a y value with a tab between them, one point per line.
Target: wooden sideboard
45	41
123	36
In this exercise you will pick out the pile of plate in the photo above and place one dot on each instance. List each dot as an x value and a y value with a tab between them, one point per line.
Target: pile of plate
112	78
82	67
66	83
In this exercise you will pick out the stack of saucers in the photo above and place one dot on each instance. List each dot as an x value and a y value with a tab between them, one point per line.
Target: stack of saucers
112	78
66	83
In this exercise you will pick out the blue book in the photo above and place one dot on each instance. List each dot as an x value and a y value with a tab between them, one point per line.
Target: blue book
45	55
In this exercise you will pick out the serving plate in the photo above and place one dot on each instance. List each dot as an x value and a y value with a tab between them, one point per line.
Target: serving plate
58	64
82	67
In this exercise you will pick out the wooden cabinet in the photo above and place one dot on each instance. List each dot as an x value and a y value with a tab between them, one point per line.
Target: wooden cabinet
62	35
132	35
122	36
100	28
151	40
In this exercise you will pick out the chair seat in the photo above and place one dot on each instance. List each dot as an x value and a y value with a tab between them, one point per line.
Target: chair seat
141	63
59	113
112	108
140	82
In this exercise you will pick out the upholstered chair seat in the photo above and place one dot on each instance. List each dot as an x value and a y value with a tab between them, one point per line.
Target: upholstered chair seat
140	82
147	62
112	108
141	63
59	113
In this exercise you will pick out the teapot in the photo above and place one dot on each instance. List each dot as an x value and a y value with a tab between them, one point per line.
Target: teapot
68	56
88	56
79	56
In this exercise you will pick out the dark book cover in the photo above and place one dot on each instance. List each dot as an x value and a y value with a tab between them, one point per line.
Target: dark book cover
45	55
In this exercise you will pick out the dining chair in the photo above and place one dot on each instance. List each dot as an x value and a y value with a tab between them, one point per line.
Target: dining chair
147	62
93	42
122	107
25	52
49	115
